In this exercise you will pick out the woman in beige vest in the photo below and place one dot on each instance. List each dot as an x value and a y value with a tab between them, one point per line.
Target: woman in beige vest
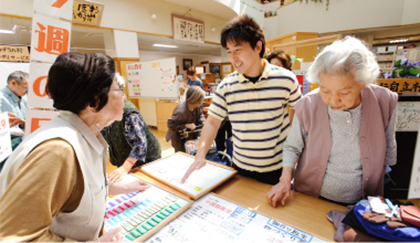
343	134
54	185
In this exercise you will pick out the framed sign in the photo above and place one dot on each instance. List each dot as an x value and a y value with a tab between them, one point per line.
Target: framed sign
87	12
186	63
187	30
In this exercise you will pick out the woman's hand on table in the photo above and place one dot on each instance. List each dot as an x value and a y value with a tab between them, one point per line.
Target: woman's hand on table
118	174
124	188
111	236
281	191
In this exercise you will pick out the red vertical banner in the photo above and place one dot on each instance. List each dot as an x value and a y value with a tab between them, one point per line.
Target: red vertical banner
51	29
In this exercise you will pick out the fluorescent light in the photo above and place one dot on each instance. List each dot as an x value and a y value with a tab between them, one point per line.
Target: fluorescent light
398	40
166	46
8	31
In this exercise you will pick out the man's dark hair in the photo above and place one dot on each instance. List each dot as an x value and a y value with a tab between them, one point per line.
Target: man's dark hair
76	81
18	76
243	29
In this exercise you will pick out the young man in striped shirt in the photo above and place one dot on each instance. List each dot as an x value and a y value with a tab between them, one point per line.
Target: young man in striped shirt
255	97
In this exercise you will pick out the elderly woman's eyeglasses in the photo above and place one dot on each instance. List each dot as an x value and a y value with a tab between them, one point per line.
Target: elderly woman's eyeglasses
120	89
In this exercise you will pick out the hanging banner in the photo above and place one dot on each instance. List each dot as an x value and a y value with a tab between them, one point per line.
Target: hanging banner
37	97
5	143
36	119
57	8
50	38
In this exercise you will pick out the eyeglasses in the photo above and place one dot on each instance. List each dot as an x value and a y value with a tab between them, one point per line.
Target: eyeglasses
120	89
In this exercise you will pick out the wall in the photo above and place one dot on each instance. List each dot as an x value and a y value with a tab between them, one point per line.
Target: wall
133	15
341	15
252	9
149	56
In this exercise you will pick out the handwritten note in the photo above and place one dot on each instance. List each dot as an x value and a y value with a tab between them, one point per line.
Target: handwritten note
408	119
87	12
212	219
14	53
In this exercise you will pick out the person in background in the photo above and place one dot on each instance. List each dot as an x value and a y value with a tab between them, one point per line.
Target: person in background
131	143
11	97
343	135
281	59
254	98
192	78
54	185
188	115
12	102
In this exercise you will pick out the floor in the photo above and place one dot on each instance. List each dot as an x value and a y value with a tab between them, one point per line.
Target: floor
166	147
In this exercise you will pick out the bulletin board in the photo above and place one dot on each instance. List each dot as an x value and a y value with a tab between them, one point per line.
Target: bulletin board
408	116
153	79
170	171
214	219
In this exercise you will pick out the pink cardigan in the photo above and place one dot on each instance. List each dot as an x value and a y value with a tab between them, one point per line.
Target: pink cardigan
378	103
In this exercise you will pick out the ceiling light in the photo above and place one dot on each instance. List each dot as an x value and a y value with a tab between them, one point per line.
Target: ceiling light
8	31
213	29
398	40
153	16
166	46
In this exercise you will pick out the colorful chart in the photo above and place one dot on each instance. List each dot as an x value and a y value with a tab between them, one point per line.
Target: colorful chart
139	212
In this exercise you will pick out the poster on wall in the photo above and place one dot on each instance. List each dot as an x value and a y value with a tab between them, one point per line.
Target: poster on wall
36	88
187	30
153	79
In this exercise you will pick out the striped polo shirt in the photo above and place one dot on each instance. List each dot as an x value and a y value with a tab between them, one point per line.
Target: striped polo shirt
259	116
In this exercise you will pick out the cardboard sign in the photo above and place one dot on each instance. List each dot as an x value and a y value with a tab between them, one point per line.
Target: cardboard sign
87	12
38	78
14	53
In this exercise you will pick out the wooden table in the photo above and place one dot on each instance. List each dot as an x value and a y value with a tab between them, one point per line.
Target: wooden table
303	212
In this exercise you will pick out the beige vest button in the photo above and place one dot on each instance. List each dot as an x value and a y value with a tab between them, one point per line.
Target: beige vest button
363	139
366	159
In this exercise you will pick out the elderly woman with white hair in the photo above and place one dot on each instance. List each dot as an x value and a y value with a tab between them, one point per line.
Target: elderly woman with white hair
343	134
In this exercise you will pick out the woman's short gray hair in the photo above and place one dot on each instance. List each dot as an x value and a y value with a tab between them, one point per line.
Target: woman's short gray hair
348	56
194	95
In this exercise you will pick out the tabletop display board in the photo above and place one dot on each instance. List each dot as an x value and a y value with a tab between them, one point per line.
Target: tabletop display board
154	79
141	214
170	171
408	116
213	219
